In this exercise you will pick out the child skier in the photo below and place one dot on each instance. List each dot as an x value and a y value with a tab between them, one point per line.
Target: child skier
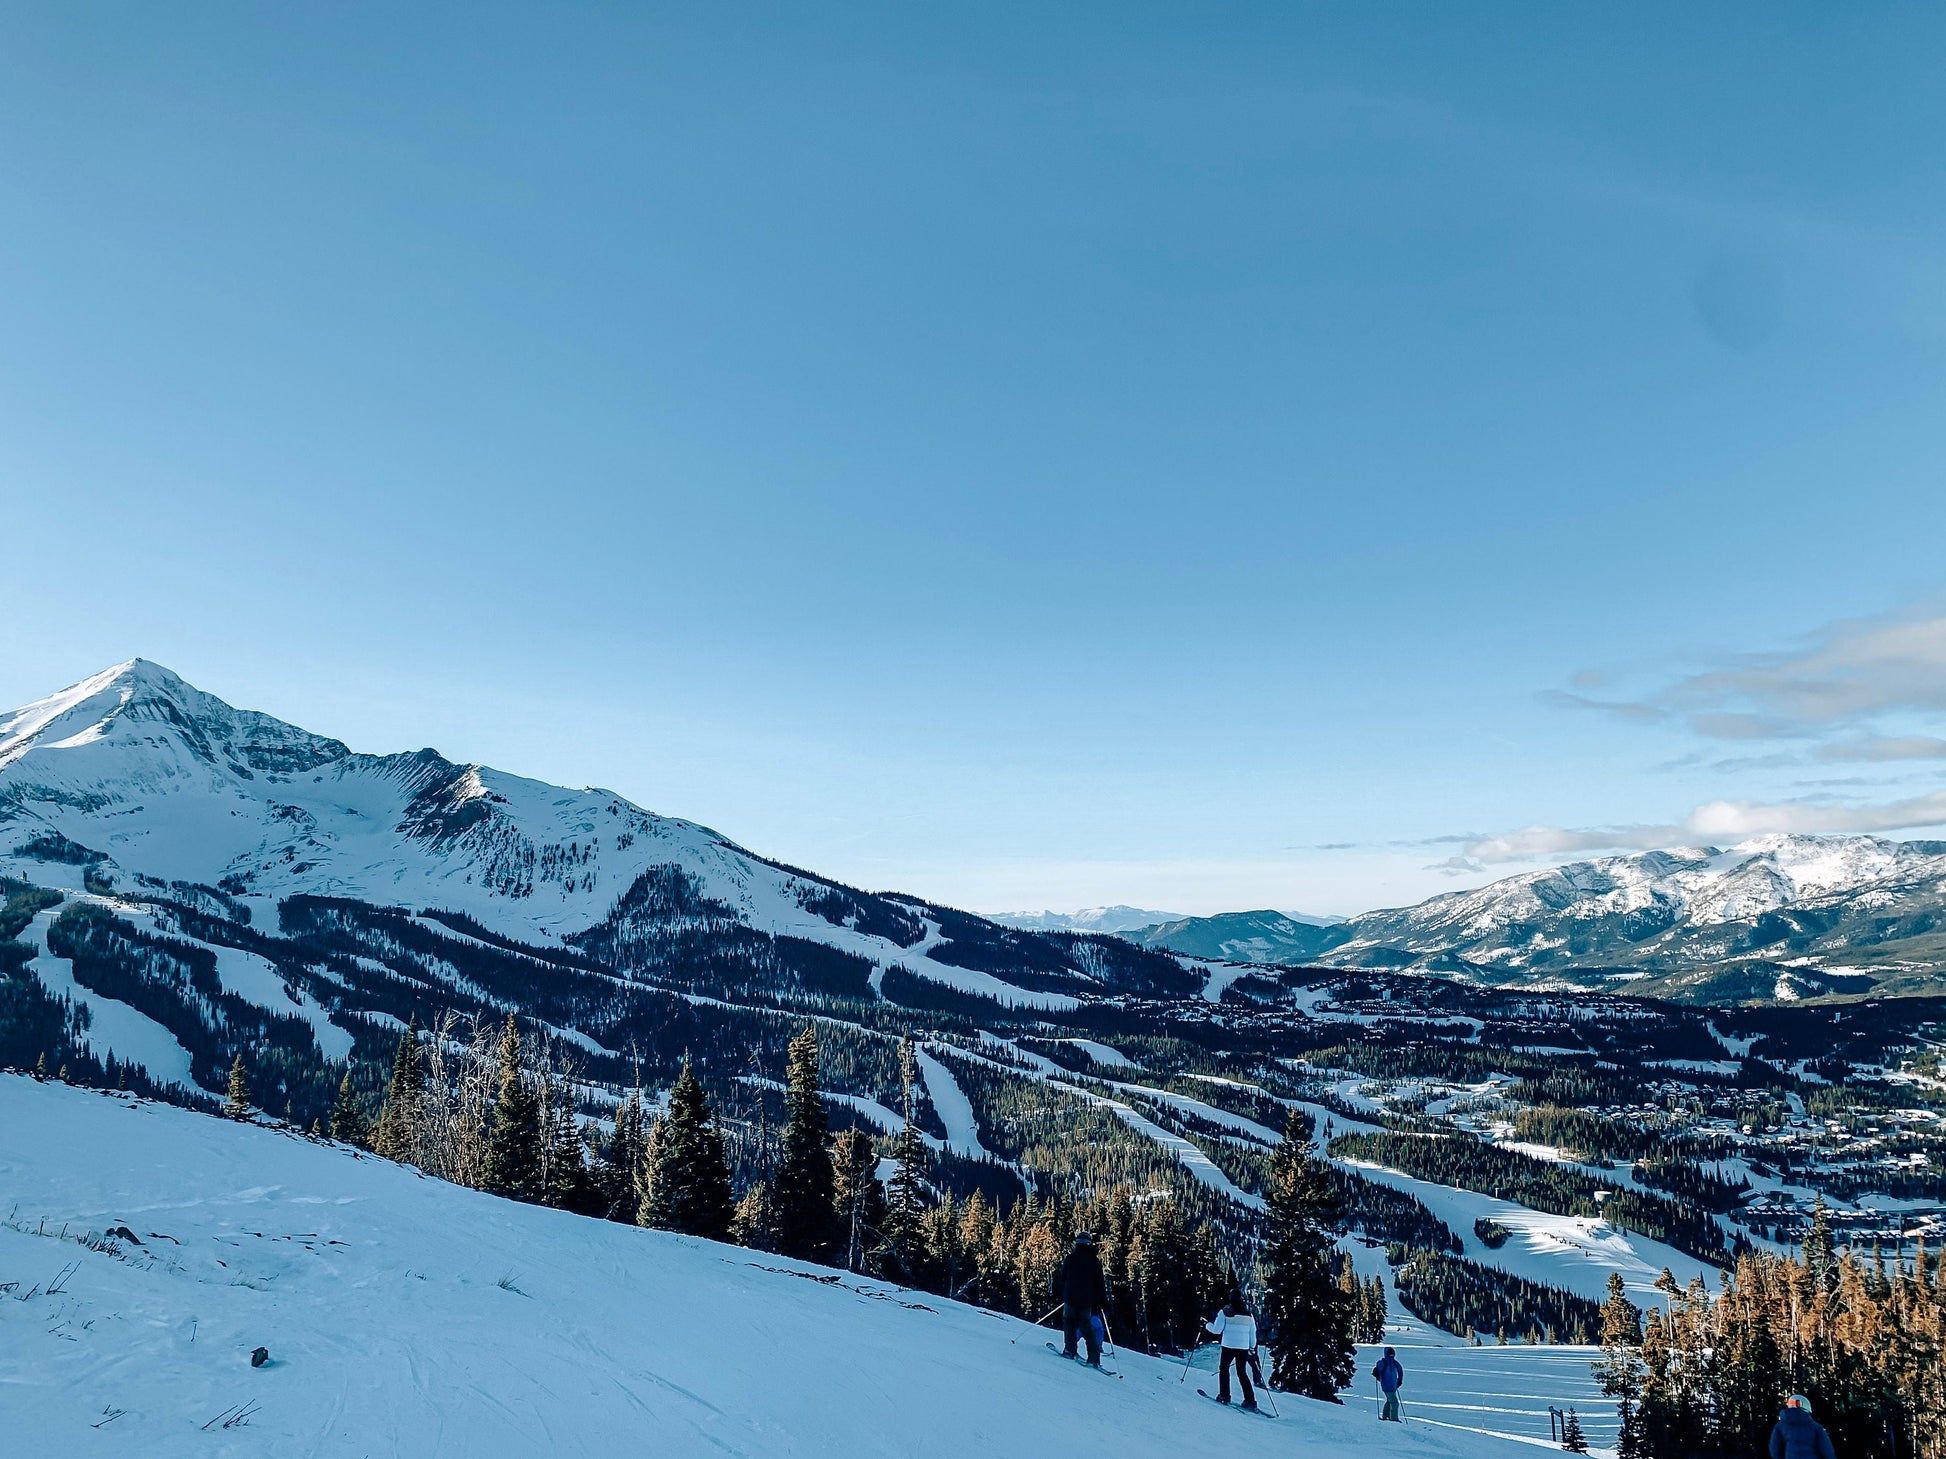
1238	1331
1390	1374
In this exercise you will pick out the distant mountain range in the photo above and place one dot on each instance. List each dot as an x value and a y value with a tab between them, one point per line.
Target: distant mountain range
1778	917
1088	919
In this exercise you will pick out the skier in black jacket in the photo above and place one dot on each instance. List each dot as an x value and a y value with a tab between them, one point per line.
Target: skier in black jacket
1083	1293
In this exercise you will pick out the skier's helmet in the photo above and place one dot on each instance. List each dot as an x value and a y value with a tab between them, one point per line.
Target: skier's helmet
1798	1400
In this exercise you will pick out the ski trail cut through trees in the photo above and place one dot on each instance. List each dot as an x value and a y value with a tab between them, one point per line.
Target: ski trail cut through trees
954	1108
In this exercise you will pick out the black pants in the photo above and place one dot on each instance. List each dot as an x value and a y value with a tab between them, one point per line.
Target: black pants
1241	1358
1075	1319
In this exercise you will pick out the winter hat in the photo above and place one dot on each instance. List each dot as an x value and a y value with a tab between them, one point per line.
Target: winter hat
1798	1400
1082	1236
1390	1354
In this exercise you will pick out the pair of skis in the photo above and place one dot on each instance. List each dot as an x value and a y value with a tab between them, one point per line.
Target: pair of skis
1237	1406
1111	1373
1056	1349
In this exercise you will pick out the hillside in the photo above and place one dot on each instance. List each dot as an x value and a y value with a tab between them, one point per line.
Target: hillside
407	1316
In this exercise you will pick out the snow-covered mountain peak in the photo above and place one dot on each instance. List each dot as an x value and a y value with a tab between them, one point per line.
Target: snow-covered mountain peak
135	775
142	705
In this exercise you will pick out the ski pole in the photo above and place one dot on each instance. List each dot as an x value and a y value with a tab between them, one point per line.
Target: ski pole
1188	1353
1264	1388
1049	1313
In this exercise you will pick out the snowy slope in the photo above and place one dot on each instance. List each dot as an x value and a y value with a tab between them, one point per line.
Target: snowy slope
405	1316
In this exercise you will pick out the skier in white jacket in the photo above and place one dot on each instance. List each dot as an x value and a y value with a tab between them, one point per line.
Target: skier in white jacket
1238	1331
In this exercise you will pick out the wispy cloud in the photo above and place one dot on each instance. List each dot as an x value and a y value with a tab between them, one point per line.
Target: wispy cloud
1885	747
1718	823
1842	677
1838	695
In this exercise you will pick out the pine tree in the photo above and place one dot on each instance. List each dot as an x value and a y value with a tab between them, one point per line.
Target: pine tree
805	1216
621	1159
348	1115
1375	1312
858	1197
755	1222
1619	1370
397	1135
688	1184
1819	1248
1311	1351
564	1152
514	1157
905	1205
1572	1439
237	1105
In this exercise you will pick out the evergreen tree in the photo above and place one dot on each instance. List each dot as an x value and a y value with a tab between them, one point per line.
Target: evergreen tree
237	1105
1819	1248
1572	1439
514	1155
565	1152
755	1222
858	1197
347	1114
1375	1312
905	1205
397	1135
805	1215
621	1161
688	1184
1619	1370
1310	1317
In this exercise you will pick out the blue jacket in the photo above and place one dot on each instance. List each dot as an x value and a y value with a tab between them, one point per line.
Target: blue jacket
1391	1374
1799	1436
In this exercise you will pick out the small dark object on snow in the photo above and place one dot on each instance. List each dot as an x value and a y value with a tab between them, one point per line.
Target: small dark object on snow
122	1233
259	1357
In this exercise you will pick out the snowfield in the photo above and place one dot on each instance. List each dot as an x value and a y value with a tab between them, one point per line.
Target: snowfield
404	1316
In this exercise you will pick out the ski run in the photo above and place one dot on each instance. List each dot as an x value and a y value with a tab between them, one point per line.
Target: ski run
401	1315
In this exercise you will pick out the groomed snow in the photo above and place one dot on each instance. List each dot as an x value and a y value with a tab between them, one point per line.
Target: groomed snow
405	1316
1573	1252
254	980
954	1108
113	1026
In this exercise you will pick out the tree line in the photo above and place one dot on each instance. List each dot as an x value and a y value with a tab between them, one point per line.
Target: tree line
1861	1337
1471	1164
1482	1302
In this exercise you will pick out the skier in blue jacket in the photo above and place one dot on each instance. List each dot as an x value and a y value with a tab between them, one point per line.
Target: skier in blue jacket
1390	1374
1798	1435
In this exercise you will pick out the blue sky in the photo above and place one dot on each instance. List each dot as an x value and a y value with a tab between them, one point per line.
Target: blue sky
1199	456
